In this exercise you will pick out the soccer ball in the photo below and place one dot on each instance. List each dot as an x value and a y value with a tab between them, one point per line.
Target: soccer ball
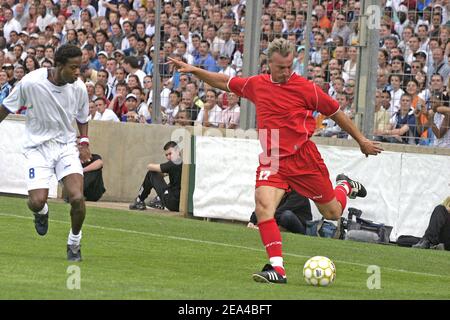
319	271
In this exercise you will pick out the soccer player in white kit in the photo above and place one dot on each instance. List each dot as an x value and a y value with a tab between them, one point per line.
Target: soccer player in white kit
54	98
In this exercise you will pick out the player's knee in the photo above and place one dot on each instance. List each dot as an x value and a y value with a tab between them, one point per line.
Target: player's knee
264	210
332	214
76	200
36	203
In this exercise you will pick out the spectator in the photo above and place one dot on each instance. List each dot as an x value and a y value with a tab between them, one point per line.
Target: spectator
5	87
31	64
93	178
190	107
45	18
291	215
131	102
381	117
340	28
92	110
103	112
168	194
349	70
9	69
118	102
205	59
10	24
211	114
440	65
437	234
395	81
131	66
439	122
182	118
403	124
231	112
171	111
19	72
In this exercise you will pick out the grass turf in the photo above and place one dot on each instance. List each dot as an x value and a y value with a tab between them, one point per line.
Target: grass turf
144	255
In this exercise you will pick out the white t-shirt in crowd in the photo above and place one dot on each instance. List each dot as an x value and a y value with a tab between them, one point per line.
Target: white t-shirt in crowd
51	109
108	115
214	116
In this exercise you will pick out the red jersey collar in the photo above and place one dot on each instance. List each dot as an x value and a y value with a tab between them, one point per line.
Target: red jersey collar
270	77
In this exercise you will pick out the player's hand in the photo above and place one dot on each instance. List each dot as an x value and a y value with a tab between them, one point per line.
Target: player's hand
181	66
85	153
370	147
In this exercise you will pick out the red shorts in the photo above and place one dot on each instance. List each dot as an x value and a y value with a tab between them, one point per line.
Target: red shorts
305	172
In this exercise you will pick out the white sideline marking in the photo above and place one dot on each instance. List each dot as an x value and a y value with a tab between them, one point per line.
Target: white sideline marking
222	244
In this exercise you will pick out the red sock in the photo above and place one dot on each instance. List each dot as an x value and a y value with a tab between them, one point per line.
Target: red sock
271	238
341	192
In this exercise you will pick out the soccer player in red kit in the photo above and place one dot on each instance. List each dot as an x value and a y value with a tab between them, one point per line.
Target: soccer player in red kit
285	103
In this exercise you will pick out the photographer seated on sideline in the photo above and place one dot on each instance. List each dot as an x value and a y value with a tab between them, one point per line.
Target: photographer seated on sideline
291	215
168	194
437	235
93	178
93	186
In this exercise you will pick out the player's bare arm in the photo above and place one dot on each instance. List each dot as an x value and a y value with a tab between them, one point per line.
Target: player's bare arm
3	113
154	167
367	147
96	165
85	153
214	79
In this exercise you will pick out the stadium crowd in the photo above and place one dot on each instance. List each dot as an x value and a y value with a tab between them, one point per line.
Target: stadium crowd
117	39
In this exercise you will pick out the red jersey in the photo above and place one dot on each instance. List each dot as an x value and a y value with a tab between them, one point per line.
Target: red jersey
284	111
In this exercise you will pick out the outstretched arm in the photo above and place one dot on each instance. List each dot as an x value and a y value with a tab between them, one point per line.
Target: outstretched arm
214	79
3	113
367	147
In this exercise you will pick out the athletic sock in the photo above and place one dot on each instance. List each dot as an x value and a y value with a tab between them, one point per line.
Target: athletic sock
341	192
44	210
271	238
74	239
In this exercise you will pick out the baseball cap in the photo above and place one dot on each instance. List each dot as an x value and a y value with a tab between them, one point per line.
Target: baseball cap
300	48
224	55
34	35
90	83
25	33
7	66
120	52
420	53
102	53
57	36
131	95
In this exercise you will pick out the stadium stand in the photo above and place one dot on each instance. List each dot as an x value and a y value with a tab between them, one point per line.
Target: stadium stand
119	37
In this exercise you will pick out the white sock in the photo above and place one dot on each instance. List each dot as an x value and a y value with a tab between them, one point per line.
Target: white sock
73	239
276	262
44	210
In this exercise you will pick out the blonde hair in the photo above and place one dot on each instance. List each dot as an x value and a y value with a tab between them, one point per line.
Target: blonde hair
282	46
446	202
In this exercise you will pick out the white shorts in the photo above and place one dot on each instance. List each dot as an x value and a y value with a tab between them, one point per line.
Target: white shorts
48	159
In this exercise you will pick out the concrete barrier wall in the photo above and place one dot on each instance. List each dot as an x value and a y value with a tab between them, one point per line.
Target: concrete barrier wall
127	148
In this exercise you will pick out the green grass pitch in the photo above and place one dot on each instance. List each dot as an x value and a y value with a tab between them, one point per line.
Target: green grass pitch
145	255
